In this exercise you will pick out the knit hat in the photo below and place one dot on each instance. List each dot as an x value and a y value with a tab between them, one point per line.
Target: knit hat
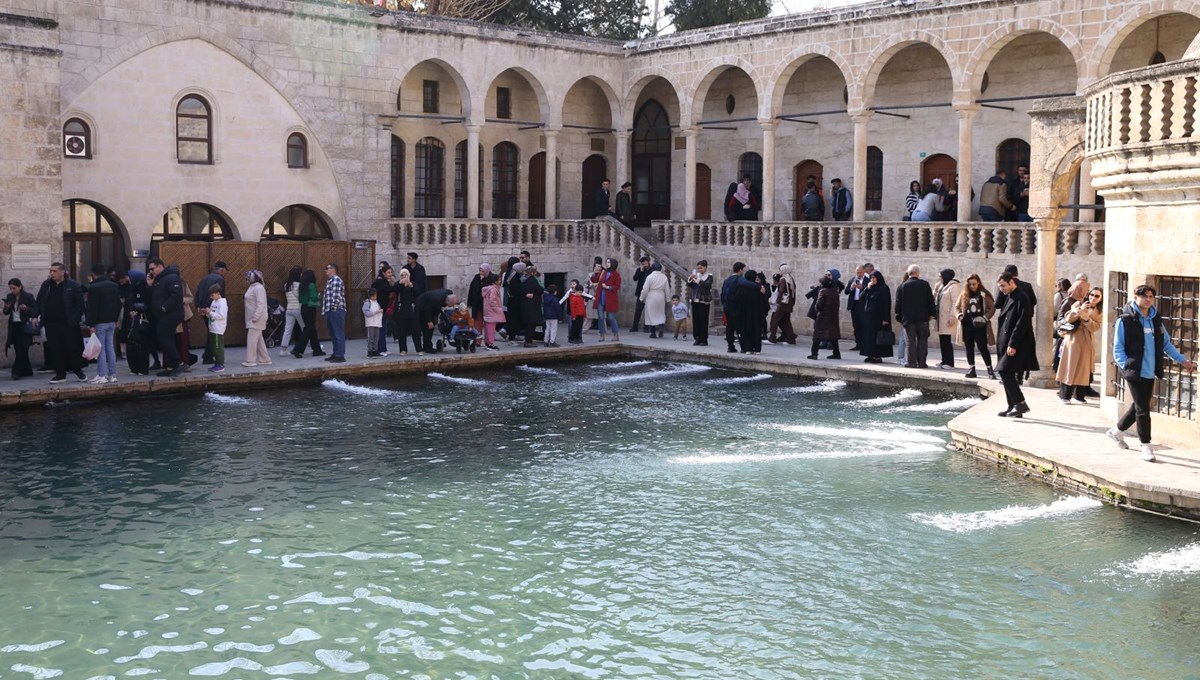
837	275
947	274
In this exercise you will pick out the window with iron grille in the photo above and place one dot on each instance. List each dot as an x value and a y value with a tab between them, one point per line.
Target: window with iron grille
460	179
1117	298
874	179
503	102
397	203
429	96
1178	304
504	180
430	189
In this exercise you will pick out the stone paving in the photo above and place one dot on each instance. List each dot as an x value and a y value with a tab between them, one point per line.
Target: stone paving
1063	445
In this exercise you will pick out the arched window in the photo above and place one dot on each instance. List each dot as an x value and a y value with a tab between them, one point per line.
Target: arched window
460	179
652	163
751	164
504	180
1010	154
77	139
296	223
91	235
397	177
297	151
430	196
874	197
193	130
192	222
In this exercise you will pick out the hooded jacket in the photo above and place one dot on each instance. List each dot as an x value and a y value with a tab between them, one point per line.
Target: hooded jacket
166	297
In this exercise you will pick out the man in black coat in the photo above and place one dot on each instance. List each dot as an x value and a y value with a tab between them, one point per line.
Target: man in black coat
625	211
603	199
639	278
416	272
429	305
60	309
1015	345
915	307
166	308
203	299
856	301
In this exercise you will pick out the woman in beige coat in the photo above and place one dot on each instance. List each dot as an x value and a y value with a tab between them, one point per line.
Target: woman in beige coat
256	320
1079	347
945	294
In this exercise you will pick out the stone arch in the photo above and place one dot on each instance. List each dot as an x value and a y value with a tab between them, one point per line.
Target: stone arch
629	103
864	94
1105	48
335	231
614	101
545	111
983	54
464	92
210	200
777	82
713	70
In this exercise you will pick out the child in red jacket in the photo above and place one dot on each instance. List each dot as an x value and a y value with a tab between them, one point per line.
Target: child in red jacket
576	305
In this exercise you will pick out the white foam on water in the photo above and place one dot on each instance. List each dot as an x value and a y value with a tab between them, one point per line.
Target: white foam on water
38	672
299	635
866	452
670	371
1181	560
360	390
906	394
191	591
110	586
226	399
242	647
338	660
881	436
461	381
356	555
949	406
620	365
223	667
39	647
541	370
966	522
823	386
738	380
154	650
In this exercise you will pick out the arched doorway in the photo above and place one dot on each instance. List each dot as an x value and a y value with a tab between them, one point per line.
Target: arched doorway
800	174
940	166
91	235
703	192
191	222
1011	153
296	223
537	186
652	163
595	169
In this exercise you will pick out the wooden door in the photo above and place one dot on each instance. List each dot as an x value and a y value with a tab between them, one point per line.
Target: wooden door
800	174
595	169
703	192
940	166
537	186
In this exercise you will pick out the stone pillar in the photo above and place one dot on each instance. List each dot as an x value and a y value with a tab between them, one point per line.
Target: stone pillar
691	134
552	174
860	119
966	157
473	171
1087	195
620	174
768	179
1043	319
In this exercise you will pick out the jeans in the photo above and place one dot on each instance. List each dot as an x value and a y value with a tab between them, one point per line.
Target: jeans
988	214
921	216
106	363
335	320
291	317
918	344
551	334
609	319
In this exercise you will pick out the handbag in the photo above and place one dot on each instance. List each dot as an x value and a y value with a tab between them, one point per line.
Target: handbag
979	321
29	327
1065	328
885	337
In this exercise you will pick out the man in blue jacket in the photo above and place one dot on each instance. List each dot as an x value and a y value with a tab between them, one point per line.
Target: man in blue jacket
1141	342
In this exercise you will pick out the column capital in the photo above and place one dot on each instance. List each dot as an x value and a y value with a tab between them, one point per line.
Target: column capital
622	134
690	131
768	125
473	129
967	110
860	116
552	133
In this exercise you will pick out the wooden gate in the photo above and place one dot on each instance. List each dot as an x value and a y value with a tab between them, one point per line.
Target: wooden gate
800	174
703	192
537	186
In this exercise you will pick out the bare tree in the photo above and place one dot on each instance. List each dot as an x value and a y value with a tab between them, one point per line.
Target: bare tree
477	10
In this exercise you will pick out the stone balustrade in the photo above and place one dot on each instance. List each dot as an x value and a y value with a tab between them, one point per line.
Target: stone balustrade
1147	106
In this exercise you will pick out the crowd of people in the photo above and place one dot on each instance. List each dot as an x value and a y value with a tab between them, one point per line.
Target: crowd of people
145	316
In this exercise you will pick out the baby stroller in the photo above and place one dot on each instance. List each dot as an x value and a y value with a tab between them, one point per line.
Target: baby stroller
463	339
276	320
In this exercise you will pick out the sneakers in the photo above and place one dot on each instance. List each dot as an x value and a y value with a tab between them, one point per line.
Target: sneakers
383	354
1148	453
1117	436
216	368
99	380
1066	402
58	379
249	364
81	375
945	367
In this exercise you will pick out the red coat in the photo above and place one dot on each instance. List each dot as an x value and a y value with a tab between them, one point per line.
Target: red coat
576	306
609	280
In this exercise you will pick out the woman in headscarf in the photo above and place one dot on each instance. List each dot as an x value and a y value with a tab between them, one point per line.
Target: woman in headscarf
512	298
310	300
749	308
780	328
256	320
475	300
877	316
1072	295
385	295
408	325
608	302
531	302
1074	373
654	296
827	328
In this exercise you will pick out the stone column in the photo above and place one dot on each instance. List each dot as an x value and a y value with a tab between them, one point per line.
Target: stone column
472	161
692	135
1043	319
768	179
1087	195
552	174
860	118
966	121
620	174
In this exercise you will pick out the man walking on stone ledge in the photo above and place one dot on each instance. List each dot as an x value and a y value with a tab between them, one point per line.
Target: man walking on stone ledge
1014	344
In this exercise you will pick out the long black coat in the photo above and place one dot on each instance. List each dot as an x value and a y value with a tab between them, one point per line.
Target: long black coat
531	307
1016	331
827	326
877	314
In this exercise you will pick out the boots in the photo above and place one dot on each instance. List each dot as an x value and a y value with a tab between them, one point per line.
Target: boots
971	373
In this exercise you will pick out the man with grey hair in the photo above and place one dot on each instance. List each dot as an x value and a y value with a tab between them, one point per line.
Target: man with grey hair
915	306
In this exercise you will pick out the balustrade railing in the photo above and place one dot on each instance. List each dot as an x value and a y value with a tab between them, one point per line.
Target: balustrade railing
1145	106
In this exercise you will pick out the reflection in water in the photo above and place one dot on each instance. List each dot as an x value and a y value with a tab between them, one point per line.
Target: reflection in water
638	519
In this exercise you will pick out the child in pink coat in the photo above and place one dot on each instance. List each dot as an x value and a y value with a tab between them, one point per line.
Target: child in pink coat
493	309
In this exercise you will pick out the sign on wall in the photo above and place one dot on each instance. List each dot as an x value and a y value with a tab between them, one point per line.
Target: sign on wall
31	256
